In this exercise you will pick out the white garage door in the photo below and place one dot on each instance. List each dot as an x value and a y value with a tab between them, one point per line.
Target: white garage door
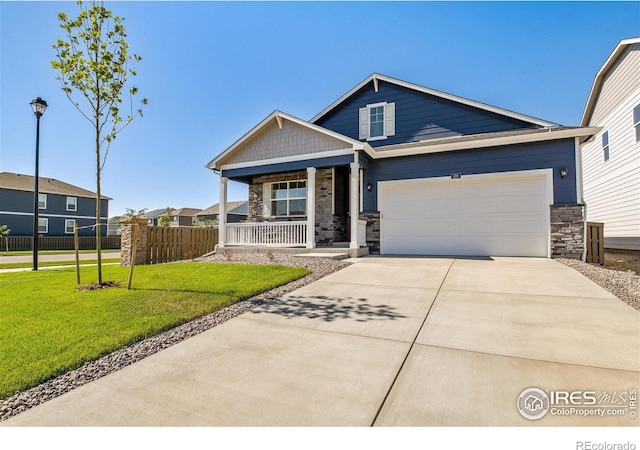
499	215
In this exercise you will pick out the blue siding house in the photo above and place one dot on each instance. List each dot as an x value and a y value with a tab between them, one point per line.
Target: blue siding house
61	205
397	168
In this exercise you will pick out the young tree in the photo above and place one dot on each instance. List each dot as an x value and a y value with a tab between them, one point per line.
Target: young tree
4	232
164	220
93	63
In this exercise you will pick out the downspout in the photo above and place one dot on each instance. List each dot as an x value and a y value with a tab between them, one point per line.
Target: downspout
580	195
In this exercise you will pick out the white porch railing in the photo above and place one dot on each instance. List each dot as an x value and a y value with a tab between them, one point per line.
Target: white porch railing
274	234
362	233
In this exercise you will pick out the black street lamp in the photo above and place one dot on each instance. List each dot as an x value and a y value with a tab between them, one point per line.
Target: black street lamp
38	106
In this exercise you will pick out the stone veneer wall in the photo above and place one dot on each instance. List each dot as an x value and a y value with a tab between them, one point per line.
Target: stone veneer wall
329	227
373	230
567	231
126	239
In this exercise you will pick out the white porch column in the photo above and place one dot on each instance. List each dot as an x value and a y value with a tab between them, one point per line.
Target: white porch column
354	203
311	207
222	213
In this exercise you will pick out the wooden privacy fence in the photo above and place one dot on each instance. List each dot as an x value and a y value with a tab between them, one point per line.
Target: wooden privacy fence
23	243
595	242
165	244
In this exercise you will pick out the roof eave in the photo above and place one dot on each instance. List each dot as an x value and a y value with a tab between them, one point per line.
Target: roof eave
597	81
451	97
484	143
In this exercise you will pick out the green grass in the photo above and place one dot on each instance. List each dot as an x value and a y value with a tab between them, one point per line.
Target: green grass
56	263
48	328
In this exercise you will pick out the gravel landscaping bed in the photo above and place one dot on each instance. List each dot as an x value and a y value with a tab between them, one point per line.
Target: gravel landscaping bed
91	371
624	285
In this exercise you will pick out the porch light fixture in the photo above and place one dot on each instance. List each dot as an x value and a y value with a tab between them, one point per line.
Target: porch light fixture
38	105
564	172
369	187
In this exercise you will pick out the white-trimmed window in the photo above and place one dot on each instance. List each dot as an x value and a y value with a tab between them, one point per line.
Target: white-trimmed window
636	122
69	226
194	220
286	199
43	225
605	145
72	203
42	201
377	121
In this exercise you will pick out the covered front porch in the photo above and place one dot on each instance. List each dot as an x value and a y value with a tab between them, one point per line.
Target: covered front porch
304	209
305	187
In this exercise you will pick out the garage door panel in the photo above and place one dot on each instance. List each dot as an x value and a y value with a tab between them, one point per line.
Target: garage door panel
502	216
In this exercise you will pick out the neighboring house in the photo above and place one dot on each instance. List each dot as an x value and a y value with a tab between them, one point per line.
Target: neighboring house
153	216
237	212
404	169
184	217
60	206
611	160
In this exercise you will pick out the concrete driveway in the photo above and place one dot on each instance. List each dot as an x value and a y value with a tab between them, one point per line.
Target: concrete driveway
386	342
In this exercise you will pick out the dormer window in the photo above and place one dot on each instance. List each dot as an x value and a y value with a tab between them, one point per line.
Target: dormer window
377	121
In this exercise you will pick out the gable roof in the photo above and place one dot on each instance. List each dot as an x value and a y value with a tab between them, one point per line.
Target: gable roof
279	116
376	77
599	79
188	212
231	206
20	182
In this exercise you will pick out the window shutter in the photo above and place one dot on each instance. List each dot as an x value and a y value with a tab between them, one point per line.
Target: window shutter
364	123
390	119
266	200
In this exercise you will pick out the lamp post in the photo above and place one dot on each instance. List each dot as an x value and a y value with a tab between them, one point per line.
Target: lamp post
38	106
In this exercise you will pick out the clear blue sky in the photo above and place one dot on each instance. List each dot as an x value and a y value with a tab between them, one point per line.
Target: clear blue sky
211	71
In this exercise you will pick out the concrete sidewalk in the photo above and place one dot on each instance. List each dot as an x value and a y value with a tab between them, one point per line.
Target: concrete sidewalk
44	257
386	341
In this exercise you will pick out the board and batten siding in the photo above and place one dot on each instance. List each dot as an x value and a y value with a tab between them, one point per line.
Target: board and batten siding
622	79
418	116
612	188
537	155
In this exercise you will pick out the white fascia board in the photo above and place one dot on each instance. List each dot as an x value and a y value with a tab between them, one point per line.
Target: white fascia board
455	98
597	82
495	142
278	115
284	159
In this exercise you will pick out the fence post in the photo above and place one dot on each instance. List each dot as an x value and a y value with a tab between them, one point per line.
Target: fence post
595	243
126	241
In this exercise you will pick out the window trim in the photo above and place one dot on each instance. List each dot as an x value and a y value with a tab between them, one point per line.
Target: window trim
288	199
44	196
66	229
75	204
46	225
388	121
606	149
384	125
636	122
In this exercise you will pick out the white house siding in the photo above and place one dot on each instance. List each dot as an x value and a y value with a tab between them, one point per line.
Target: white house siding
612	188
621	81
290	140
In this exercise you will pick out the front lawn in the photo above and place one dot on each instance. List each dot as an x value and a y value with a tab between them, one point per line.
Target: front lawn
48	328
